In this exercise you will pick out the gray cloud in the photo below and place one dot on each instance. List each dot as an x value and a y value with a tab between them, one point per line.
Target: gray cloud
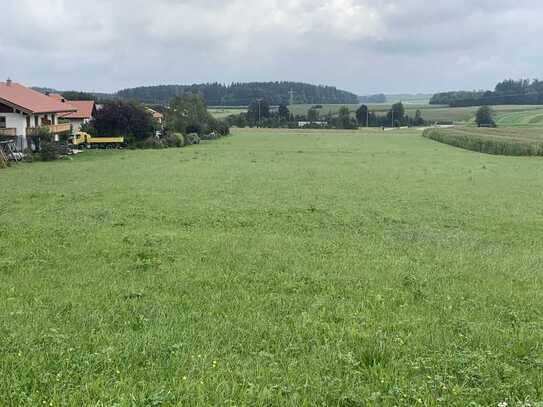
361	45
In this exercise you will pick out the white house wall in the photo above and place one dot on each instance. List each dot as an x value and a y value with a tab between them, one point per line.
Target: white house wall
76	125
17	121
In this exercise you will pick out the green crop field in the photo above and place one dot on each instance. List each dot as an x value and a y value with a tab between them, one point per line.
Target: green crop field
274	267
506	115
502	140
439	113
528	118
222	112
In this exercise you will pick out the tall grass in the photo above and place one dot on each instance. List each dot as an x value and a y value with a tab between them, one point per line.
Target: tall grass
490	141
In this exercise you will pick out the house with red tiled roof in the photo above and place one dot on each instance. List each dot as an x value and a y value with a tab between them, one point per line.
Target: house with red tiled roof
84	113
23	112
159	117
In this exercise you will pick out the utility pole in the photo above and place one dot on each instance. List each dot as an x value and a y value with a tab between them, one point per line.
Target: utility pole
259	113
291	93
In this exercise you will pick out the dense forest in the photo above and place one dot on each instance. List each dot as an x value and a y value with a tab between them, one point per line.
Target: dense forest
242	94
508	92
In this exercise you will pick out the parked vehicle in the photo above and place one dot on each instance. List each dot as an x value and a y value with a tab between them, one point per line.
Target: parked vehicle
83	139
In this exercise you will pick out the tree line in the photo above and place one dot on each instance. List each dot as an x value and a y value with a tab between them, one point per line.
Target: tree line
242	94
261	114
507	92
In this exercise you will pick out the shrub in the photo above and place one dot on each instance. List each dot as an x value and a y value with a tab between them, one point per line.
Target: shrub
50	150
175	140
192	138
484	118
121	118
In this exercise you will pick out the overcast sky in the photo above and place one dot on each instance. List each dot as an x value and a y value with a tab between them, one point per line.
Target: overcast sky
365	46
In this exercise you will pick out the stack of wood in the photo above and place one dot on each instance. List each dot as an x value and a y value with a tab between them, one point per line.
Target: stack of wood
4	162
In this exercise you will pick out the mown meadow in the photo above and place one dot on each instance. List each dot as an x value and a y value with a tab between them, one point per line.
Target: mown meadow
274	267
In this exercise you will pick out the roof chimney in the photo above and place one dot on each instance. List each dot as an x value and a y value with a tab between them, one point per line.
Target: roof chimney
8	82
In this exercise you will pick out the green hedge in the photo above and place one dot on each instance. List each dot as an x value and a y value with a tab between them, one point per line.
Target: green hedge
488	141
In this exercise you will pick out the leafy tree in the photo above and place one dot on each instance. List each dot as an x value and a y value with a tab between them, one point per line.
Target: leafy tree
313	115
344	119
484	117
418	120
258	110
362	115
283	112
397	112
186	113
124	119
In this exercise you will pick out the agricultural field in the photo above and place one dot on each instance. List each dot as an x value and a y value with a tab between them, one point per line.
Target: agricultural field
502	140
274	267
527	118
439	113
507	115
222	112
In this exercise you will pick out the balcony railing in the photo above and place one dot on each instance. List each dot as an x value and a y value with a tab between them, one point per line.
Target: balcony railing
8	132
53	129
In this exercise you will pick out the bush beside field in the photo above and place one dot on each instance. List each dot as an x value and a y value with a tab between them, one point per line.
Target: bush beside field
513	142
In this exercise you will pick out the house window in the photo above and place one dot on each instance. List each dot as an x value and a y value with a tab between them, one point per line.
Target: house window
2	122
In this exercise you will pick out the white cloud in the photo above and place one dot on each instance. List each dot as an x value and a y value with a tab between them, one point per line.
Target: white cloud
361	45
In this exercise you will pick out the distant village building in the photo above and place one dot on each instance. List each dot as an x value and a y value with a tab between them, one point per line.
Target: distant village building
308	124
159	117
24	111
84	113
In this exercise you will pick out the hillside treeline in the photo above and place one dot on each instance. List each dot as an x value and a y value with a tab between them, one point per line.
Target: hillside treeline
380	98
242	94
508	92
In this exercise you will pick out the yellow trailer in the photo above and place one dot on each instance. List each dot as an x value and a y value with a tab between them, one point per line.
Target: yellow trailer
85	139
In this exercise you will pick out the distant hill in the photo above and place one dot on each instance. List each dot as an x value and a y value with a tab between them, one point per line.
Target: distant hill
411	98
507	92
77	95
236	94
242	94
380	98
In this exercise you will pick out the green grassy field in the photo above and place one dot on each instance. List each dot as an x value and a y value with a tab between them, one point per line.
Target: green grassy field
506	115
436	113
288	268
222	112
528	118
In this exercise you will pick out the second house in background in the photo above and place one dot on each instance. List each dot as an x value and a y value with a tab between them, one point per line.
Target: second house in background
84	113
